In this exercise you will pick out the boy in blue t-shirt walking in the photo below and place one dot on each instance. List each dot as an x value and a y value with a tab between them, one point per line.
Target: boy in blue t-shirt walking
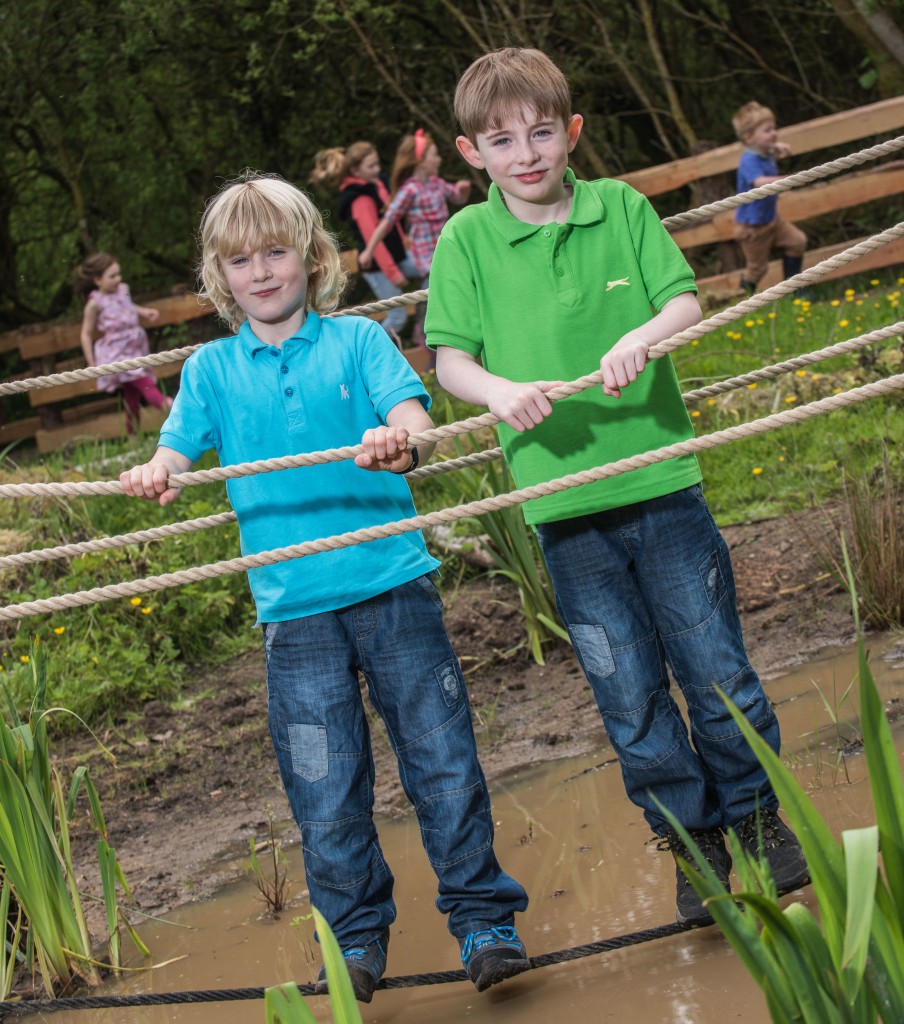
758	227
537	284
288	382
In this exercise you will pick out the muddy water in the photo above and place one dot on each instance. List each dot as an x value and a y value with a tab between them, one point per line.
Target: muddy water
566	831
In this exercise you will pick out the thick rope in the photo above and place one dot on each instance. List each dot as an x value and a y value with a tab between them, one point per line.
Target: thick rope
787	182
175	355
701	213
449	465
487	419
402	981
451	515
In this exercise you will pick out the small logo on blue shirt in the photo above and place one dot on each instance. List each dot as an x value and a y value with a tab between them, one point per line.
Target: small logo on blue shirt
343	392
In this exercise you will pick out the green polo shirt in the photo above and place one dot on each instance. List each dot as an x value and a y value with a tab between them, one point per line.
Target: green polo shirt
546	303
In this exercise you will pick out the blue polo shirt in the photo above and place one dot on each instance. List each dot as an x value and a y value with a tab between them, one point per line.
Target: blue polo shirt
751	166
321	389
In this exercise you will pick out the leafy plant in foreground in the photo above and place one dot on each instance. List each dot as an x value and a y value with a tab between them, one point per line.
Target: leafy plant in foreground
284	1004
39	900
846	969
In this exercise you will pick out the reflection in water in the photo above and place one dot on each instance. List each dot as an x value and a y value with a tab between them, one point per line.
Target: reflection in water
567	832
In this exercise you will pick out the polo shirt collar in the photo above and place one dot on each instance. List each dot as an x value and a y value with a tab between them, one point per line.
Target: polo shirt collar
252	345
587	207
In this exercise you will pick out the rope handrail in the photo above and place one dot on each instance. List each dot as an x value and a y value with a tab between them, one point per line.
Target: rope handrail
487	419
450	515
700	213
448	465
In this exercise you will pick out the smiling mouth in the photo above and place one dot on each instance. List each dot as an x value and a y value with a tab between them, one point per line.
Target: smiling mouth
265	293
531	178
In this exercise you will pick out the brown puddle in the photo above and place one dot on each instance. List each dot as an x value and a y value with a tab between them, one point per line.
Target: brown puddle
568	833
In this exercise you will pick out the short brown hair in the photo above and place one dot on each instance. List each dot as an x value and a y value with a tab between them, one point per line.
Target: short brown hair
500	83
750	117
258	210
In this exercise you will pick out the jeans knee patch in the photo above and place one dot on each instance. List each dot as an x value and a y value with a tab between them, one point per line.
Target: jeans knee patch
309	749
592	646
447	675
711	577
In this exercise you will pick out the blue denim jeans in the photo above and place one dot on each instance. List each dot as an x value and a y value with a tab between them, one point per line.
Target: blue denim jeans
649	588
383	288
318	725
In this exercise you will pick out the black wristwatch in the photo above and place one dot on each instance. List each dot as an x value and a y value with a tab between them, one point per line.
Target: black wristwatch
415	462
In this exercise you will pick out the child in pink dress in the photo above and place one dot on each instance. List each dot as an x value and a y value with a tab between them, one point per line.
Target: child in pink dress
111	312
420	196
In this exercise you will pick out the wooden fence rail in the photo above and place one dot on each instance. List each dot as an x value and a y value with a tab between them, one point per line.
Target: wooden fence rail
48	348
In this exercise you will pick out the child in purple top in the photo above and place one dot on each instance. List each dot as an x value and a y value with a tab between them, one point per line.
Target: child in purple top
758	227
111	311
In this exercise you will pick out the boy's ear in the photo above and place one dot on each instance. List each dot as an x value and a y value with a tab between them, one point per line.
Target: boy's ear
469	151
573	129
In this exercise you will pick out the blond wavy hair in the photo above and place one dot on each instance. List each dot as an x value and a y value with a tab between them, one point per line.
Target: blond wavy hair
259	210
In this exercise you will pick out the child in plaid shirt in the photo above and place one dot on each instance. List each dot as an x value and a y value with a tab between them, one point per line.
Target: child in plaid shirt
420	196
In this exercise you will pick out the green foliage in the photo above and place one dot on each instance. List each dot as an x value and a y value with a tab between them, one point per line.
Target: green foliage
113	657
285	1005
846	968
48	932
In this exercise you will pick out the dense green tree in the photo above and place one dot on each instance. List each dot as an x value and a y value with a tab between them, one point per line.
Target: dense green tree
117	120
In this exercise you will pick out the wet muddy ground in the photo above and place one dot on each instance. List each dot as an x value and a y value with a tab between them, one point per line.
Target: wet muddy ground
565	829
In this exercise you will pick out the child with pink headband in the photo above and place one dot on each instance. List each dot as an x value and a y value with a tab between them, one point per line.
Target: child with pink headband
420	197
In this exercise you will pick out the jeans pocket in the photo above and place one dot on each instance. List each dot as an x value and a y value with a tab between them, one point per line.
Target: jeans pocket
711	577
450	682
426	584
593	650
309	750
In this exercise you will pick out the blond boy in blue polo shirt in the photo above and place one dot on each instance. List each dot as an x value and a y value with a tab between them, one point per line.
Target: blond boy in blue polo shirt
292	382
548	278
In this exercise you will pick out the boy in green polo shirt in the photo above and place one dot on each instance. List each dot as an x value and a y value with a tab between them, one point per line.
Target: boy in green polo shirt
547	277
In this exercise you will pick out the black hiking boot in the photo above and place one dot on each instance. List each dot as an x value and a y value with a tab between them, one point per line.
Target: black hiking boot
764	835
689	908
365	964
493	954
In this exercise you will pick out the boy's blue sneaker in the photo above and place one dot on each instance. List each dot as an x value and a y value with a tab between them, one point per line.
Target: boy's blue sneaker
492	955
365	964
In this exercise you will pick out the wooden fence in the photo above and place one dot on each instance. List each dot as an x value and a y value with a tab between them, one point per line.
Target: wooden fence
48	348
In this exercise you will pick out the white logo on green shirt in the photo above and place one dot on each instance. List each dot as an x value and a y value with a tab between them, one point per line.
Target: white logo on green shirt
614	284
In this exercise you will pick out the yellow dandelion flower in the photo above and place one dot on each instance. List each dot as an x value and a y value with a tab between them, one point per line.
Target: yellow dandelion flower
145	611
843	323
748	323
798	319
24	658
59	630
791	399
94	659
711	401
759	321
874	282
796	302
772	316
696	341
750	387
776	350
901	280
781	458
836	391
801	373
849	291
757	470
835	302
135	602
695	413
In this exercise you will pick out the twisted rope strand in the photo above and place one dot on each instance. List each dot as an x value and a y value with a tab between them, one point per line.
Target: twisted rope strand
787	182
729	315
700	213
450	515
450	465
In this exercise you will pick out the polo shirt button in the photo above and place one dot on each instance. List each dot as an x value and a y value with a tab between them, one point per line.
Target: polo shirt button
284	369
289	392
560	271
546	233
273	352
